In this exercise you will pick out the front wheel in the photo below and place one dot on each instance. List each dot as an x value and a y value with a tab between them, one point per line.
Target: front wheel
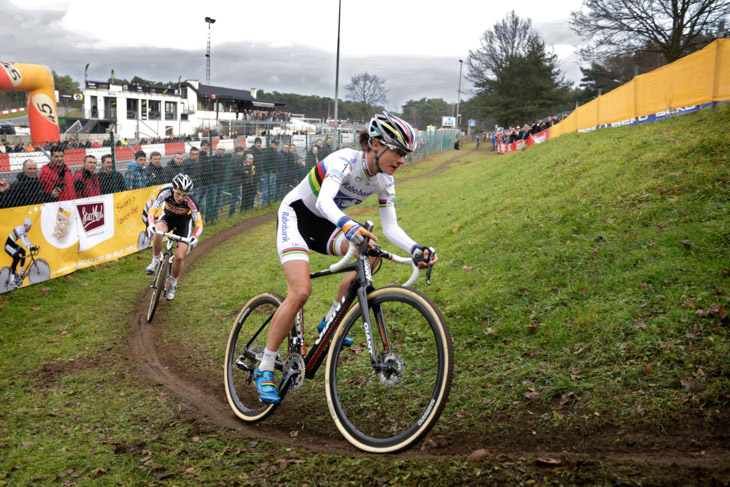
388	406
40	271
158	287
244	352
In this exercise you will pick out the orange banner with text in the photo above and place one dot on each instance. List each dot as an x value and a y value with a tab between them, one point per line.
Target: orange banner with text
72	235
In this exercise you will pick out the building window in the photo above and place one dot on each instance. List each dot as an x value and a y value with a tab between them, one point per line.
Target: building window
132	104
155	113
170	110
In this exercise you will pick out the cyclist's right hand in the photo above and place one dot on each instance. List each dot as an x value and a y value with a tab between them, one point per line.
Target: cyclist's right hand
151	231
34	247
356	233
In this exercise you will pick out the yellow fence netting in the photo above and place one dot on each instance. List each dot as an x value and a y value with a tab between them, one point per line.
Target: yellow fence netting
702	77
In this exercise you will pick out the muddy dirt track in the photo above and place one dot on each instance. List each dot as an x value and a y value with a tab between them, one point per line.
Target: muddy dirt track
691	449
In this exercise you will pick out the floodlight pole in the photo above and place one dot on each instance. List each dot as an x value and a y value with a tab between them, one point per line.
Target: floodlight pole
458	102
207	67
337	74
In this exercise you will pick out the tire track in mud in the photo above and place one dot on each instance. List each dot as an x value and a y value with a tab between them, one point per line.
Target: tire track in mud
161	367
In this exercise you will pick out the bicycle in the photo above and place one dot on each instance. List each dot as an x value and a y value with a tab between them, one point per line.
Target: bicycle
387	390
36	270
159	281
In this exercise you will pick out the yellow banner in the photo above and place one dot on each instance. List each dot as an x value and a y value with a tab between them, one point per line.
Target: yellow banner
699	78
75	234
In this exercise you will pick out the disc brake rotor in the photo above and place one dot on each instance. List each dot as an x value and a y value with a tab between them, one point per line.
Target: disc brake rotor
393	369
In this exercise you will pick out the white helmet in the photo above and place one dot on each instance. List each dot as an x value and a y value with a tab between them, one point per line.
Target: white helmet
27	222
392	131
182	182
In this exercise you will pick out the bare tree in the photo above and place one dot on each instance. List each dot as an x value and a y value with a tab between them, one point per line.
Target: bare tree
508	39
367	90
673	28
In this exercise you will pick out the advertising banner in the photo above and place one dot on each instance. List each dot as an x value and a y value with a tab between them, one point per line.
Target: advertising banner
72	235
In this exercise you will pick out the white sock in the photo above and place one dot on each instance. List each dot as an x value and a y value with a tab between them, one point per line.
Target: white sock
173	281
156	258
267	362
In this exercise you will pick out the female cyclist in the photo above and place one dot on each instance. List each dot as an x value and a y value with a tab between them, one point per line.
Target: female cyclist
311	217
178	211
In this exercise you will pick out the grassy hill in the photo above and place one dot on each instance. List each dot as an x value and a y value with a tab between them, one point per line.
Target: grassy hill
585	280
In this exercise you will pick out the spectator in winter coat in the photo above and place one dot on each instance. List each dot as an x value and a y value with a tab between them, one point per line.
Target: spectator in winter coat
110	181
86	181
27	189
138	175
56	178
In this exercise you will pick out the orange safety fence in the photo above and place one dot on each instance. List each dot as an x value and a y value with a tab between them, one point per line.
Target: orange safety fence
699	78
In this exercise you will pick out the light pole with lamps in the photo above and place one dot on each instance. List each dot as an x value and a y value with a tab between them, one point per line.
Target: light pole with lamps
207	68
458	102
179	108
337	75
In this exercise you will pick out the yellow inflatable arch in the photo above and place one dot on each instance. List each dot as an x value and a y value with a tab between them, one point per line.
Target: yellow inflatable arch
37	80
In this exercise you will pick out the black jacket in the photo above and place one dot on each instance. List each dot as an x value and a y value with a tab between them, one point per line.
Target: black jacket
110	182
25	191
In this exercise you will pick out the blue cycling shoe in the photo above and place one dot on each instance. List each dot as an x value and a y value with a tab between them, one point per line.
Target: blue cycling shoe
347	342
266	386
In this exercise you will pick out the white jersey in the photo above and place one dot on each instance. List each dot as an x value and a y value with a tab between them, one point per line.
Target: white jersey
19	233
342	180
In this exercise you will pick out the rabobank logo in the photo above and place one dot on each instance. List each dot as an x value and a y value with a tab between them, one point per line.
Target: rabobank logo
284	226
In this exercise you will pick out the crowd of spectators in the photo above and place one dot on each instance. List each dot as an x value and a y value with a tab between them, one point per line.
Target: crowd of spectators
513	134
218	175
72	143
265	116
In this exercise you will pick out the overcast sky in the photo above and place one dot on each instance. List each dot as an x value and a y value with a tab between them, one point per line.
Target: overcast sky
287	46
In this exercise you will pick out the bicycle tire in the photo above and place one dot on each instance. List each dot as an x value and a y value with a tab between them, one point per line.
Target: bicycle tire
5	280
388	411
158	285
40	271
241	361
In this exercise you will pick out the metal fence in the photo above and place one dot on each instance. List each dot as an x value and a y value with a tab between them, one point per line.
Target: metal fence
225	181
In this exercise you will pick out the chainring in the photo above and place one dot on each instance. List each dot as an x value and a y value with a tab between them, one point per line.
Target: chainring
296	361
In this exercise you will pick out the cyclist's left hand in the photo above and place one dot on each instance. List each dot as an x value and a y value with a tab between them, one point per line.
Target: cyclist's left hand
422	254
193	242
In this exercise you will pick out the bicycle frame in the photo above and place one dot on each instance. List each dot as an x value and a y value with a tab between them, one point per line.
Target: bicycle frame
24	272
359	288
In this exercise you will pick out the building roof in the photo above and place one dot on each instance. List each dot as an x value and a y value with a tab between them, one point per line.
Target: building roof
223	93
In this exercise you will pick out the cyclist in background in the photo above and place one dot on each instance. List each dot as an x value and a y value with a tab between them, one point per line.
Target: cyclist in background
14	250
311	217
178	211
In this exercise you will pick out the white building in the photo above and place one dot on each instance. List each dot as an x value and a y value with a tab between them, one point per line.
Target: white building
136	111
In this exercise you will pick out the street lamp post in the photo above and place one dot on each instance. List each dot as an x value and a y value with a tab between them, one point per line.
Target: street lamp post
179	108
207	68
337	75
458	102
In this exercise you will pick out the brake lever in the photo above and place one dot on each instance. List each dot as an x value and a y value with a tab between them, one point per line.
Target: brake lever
428	272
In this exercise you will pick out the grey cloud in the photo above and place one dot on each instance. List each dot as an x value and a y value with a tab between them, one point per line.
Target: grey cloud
36	38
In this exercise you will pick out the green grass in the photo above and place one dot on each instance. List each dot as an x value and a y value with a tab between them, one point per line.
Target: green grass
584	281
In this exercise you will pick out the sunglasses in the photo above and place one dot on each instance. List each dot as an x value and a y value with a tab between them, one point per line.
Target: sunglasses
398	151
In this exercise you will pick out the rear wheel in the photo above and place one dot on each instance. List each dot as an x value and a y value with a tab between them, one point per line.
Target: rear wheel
5	280
243	354
158	287
390	405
